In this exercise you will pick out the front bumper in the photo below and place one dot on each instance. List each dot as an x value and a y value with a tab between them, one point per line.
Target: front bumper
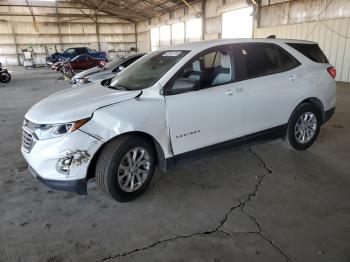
44	156
77	186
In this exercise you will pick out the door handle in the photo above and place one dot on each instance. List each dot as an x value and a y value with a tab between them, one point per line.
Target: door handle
229	92
292	78
236	91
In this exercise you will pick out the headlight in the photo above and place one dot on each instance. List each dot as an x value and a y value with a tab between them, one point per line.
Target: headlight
81	81
55	130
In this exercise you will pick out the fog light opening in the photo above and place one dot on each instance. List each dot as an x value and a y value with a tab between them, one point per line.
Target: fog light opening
63	165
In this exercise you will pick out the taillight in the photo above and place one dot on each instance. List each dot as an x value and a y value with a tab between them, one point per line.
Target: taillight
332	71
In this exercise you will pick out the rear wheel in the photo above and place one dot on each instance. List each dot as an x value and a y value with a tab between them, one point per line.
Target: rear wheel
303	126
125	167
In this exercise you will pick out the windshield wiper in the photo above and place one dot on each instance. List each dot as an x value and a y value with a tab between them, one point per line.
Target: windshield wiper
122	88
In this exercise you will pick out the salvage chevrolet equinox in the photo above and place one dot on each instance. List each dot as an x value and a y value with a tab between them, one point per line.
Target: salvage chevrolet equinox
177	103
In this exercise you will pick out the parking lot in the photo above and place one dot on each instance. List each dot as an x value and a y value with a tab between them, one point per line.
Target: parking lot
260	203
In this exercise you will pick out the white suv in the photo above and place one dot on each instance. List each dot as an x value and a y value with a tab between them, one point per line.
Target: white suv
176	103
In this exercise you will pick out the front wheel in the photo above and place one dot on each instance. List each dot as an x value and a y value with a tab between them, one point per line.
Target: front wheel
303	126
125	167
5	77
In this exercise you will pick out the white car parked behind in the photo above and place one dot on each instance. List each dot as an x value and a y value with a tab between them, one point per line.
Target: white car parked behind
176	103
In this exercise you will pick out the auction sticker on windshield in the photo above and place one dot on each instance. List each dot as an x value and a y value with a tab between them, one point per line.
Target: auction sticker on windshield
172	53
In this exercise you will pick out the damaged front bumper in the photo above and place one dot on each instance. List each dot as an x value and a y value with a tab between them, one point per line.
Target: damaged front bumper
62	163
77	186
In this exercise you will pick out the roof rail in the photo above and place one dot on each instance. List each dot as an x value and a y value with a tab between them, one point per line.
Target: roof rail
271	36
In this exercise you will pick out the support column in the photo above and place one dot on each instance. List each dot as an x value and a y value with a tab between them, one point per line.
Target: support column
15	42
59	28
135	26
203	7
98	34
14	37
258	16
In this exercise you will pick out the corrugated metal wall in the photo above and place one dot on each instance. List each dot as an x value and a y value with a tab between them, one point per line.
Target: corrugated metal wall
324	21
57	34
333	36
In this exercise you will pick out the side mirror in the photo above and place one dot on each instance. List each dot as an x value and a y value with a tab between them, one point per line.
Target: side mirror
121	68
183	85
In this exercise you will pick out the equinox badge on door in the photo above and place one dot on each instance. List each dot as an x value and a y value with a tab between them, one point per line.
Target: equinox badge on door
188	134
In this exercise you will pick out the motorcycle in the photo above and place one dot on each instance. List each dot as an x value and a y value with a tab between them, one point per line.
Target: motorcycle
64	67
5	76
67	69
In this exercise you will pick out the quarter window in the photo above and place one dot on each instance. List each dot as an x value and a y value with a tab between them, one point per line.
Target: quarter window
265	59
208	70
311	51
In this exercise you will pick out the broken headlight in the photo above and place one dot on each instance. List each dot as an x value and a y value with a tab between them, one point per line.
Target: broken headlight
55	130
81	81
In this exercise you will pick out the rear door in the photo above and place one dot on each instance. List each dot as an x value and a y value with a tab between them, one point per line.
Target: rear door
271	77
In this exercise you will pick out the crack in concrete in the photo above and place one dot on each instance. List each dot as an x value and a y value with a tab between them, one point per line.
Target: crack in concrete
253	194
243	201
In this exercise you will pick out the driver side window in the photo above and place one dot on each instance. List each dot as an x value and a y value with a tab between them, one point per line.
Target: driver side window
210	69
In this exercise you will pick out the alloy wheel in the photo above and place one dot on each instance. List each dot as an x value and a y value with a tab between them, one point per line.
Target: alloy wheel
305	127
134	169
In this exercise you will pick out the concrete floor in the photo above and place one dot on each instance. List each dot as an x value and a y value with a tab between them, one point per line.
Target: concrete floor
264	203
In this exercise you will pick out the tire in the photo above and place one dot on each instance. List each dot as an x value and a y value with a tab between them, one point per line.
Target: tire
5	77
299	128
112	171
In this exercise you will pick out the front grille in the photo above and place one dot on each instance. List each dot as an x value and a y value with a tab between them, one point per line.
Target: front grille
27	141
28	136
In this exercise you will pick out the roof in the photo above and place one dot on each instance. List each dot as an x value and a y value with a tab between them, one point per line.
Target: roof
128	10
199	45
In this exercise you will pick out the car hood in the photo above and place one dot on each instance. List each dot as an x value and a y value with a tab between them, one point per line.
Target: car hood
87	72
75	104
101	75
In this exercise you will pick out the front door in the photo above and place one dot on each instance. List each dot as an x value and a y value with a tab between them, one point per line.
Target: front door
213	112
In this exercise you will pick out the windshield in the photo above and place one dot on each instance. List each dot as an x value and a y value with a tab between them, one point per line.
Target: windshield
148	70
115	62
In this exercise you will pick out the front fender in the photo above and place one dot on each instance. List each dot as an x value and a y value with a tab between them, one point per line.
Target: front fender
145	114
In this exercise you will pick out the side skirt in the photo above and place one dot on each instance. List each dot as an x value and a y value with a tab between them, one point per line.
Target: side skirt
227	146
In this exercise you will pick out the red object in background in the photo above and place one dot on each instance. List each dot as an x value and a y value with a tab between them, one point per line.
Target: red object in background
103	63
83	62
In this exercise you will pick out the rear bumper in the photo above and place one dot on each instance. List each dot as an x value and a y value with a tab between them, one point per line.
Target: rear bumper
328	114
77	186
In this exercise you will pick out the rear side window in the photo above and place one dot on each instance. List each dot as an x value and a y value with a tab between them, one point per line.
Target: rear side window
311	51
261	59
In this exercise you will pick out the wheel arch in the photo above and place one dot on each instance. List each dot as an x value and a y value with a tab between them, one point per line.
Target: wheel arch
314	101
310	100
160	156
